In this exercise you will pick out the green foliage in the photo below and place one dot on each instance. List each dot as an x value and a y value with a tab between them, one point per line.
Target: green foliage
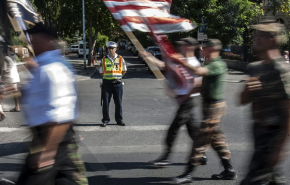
227	20
286	44
274	6
102	40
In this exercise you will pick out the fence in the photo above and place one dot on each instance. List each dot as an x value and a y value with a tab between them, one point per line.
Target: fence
236	64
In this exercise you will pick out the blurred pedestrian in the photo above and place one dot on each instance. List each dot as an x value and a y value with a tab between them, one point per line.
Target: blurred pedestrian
12	76
9	81
214	107
286	56
185	96
268	91
112	69
201	57
51	107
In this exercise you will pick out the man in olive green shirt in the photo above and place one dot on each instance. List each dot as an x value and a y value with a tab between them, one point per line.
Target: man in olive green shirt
214	107
212	84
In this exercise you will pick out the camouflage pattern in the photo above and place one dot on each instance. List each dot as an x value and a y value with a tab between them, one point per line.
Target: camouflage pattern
210	134
68	168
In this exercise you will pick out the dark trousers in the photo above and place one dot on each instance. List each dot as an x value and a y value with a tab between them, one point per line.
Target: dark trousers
115	89
68	168
184	116
266	141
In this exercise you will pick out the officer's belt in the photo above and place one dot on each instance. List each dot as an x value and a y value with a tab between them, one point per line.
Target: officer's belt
112	81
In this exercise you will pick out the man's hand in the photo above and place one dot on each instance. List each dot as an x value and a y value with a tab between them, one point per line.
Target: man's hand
177	57
254	83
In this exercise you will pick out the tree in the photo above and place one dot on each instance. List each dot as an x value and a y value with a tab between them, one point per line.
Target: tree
276	5
226	20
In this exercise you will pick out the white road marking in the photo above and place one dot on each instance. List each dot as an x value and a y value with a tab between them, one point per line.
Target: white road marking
156	148
98	128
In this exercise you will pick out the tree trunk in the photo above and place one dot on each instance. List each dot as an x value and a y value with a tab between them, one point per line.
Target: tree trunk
90	45
95	38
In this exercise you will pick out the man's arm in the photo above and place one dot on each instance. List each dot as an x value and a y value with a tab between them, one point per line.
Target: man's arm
200	71
252	84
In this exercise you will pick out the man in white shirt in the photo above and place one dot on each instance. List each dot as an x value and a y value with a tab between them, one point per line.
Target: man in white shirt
50	108
185	98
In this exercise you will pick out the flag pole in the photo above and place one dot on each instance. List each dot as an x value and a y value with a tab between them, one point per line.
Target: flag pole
140	48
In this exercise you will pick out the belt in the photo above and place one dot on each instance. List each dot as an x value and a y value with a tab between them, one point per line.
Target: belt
213	101
112	81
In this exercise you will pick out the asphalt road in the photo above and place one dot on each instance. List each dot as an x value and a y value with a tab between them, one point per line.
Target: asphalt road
119	155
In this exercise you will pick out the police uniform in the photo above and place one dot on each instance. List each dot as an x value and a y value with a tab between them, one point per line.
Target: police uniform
112	69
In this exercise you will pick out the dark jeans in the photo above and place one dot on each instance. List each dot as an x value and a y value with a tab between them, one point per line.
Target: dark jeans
115	89
184	116
68	168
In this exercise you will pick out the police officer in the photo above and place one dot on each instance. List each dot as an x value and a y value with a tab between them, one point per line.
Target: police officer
112	69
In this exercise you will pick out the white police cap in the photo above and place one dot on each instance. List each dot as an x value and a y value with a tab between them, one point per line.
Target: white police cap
111	44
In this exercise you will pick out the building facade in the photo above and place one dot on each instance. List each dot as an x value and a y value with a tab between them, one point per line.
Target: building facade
280	17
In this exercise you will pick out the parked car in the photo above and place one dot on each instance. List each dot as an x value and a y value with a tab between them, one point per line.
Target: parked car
157	55
81	50
154	50
74	48
150	49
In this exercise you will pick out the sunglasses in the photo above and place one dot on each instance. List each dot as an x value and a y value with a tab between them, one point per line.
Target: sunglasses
111	48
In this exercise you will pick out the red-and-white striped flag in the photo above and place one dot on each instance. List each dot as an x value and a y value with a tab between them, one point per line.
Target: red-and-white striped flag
147	15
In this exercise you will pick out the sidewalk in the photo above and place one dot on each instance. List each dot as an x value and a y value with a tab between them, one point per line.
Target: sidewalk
81	73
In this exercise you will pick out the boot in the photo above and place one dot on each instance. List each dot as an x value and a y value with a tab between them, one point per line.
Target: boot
228	174
185	177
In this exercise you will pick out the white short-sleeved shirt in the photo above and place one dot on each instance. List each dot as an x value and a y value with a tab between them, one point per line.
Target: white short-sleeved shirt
124	67
185	90
51	95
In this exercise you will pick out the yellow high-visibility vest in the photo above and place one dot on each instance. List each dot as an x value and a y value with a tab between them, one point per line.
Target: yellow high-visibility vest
112	70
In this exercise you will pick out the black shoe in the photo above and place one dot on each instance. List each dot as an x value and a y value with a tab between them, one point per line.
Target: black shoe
104	125
121	124
182	179
185	177
160	162
225	175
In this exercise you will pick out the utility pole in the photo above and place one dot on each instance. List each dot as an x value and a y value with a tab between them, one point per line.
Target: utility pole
84	35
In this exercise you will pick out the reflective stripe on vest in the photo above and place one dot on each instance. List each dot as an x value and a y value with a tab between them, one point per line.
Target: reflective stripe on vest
112	70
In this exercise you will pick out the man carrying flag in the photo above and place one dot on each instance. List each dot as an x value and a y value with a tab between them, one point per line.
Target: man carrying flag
214	107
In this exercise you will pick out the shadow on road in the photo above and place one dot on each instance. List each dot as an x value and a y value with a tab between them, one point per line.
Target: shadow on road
14	148
105	180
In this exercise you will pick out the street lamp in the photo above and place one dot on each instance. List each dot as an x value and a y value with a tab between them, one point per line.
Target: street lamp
84	35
